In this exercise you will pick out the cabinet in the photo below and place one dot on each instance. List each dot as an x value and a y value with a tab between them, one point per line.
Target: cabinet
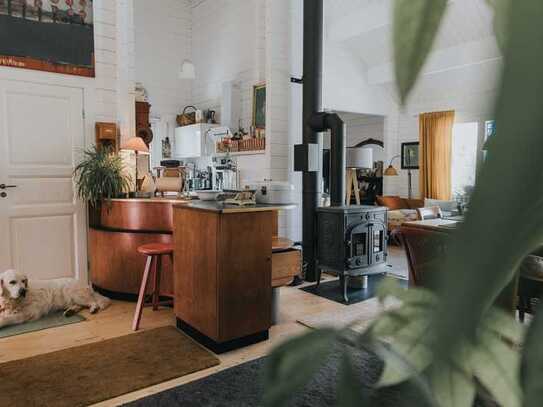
193	141
223	272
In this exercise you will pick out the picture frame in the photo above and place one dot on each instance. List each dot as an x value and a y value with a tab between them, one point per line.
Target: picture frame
410	156
259	106
48	35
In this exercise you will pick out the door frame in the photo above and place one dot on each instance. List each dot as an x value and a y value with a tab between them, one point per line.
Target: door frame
88	86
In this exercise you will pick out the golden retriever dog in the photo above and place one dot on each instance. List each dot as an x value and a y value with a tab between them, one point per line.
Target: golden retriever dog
22	301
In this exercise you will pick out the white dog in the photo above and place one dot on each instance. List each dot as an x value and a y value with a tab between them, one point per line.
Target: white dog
21	301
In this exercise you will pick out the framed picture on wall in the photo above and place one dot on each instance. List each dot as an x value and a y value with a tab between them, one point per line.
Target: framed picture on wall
410	156
259	106
48	35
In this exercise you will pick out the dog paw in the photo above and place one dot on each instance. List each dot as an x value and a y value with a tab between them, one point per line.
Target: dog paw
69	313
94	309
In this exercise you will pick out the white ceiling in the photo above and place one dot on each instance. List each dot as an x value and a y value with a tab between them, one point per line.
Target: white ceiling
464	53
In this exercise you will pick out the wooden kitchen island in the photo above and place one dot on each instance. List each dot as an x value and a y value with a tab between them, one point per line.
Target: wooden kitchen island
223	272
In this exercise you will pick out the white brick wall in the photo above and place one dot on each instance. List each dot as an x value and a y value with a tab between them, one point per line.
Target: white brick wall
228	43
163	40
403	127
102	93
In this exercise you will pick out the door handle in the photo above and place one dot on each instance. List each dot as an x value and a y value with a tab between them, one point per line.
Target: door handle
4	186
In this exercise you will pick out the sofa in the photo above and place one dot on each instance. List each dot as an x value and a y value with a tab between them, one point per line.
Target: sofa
402	210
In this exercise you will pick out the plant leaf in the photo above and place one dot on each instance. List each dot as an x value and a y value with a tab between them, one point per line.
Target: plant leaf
505	325
416	23
496	365
412	343
501	20
532	364
482	262
292	364
451	387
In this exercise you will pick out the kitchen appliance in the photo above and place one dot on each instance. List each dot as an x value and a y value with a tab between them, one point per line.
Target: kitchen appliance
207	195
225	173
193	141
273	192
352	241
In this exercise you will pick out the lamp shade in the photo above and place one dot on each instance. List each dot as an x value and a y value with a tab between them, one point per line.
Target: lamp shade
187	70
359	158
135	144
391	171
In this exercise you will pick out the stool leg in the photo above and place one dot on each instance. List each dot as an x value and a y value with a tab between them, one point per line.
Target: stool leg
156	285
141	296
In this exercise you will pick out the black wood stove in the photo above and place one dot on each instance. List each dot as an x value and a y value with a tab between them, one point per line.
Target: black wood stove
352	241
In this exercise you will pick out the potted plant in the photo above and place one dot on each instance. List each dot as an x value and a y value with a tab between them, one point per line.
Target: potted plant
99	176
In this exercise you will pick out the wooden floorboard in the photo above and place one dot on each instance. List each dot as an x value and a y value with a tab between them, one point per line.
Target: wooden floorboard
116	321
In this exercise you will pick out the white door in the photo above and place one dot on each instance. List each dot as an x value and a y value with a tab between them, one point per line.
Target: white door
42	224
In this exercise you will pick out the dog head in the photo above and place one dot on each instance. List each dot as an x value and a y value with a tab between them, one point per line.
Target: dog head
13	285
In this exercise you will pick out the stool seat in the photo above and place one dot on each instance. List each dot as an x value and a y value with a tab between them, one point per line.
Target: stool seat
155	249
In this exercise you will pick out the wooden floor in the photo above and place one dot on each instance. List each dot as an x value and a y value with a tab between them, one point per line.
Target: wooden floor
116	321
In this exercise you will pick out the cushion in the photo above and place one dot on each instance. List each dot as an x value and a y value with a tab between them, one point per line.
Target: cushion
449	206
392	202
415	203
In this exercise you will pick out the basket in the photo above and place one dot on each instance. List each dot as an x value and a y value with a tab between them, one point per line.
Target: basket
186	119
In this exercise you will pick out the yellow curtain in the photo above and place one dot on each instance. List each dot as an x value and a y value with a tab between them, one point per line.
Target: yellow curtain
435	135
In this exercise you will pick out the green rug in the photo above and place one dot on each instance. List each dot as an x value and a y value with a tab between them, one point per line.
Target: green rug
50	321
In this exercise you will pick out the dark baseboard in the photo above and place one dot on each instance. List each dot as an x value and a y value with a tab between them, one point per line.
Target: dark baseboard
221	347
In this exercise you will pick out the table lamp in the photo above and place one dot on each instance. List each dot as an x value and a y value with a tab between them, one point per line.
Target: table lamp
137	145
357	158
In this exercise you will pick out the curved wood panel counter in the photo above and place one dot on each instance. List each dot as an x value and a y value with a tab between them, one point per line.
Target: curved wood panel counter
115	266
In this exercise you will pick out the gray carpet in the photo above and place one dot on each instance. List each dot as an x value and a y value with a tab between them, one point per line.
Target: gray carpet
240	387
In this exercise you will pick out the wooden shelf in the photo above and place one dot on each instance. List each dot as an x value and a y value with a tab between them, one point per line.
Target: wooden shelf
248	146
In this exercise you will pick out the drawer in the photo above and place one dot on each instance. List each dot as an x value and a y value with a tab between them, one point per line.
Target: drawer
285	265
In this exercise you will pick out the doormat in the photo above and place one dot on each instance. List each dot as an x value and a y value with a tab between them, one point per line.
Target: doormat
99	371
50	321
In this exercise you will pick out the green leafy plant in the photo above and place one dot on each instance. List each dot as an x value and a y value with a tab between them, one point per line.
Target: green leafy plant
452	342
99	176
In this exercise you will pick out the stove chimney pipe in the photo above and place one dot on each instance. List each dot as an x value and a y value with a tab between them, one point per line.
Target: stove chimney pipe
312	104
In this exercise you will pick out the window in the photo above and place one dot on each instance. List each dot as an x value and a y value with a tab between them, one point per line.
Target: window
464	157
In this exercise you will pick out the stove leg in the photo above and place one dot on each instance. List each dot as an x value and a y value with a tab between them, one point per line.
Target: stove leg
319	274
345	285
365	282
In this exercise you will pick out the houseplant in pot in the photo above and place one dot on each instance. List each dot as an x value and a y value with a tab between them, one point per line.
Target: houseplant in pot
99	177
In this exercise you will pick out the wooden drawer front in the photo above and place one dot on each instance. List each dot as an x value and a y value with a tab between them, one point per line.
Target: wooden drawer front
285	265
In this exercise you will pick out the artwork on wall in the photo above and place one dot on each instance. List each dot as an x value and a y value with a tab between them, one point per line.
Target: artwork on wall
48	35
410	156
259	106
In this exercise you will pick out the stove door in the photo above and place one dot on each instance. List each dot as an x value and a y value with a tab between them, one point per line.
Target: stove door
359	244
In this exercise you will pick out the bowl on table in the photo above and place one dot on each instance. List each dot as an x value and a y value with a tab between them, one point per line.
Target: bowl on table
207	194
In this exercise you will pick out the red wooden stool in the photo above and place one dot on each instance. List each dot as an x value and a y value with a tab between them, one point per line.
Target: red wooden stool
153	267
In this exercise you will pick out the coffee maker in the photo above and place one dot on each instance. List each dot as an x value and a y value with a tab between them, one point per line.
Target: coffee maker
225	174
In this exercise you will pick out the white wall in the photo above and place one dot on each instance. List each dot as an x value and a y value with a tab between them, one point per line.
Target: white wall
228	43
404	127
163	38
345	86
112	42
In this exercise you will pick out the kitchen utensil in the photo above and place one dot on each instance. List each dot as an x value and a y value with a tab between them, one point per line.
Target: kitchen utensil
208	195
